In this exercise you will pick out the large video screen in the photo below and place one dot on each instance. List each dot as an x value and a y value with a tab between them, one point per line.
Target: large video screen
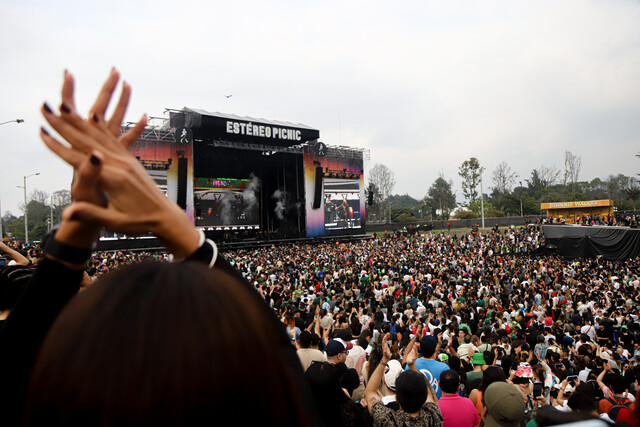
341	203
227	204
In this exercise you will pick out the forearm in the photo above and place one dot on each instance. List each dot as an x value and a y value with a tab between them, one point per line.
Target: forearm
15	255
375	380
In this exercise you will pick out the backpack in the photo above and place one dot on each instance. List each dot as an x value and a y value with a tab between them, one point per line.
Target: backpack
615	409
393	328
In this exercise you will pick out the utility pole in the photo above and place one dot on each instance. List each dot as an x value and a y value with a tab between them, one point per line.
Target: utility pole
24	187
481	200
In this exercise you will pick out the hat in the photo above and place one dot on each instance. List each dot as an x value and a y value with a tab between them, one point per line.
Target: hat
478	359
443	357
524	370
335	347
391	372
505	405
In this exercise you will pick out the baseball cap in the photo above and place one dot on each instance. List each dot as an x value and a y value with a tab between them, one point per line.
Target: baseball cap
391	372
505	405
337	346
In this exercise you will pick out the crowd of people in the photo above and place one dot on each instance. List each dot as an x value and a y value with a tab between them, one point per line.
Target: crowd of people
415	329
472	309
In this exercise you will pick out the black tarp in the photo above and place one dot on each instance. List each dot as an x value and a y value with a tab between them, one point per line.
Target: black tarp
575	241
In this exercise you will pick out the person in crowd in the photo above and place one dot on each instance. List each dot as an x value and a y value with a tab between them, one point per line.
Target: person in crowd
306	353
504	405
416	399
457	411
428	364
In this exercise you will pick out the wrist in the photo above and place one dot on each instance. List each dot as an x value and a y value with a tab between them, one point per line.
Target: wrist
177	234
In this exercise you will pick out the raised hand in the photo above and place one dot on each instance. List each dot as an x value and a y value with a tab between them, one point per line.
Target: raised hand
135	205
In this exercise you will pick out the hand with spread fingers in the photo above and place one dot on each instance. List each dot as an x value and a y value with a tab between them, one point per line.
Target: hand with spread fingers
134	205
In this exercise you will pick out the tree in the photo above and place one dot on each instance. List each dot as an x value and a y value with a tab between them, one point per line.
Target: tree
503	178
542	178
633	193
572	166
384	180
615	185
440	197
60	200
470	172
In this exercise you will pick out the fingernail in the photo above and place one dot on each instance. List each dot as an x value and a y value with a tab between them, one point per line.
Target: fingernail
47	108
65	71
74	216
95	117
94	160
65	108
44	130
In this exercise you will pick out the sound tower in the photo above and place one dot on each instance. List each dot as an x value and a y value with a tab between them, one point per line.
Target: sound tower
317	196
182	183
371	194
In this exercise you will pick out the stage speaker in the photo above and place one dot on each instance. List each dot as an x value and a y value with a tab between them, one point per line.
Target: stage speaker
317	196
182	183
370	198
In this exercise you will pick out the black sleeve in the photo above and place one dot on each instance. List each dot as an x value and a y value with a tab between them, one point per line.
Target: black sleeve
48	291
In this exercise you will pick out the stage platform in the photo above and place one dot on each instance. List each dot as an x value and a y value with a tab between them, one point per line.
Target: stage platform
579	241
151	244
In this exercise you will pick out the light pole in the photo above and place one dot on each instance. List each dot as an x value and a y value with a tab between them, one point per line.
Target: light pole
24	187
11	121
4	123
521	215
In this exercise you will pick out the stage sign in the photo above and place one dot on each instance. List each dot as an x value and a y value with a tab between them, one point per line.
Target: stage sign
245	129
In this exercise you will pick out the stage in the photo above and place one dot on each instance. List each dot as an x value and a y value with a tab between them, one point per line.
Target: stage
579	241
243	179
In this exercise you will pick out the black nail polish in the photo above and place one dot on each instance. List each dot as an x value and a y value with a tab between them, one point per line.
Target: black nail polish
65	108
94	160
74	216
95	117
47	108
44	130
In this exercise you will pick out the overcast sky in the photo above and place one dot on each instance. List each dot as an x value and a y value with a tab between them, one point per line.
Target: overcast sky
424	85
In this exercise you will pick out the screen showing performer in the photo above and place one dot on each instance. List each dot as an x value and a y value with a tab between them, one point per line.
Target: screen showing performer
341	203
227	204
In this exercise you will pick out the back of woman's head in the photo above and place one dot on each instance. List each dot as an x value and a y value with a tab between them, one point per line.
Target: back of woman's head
160	343
327	393
491	375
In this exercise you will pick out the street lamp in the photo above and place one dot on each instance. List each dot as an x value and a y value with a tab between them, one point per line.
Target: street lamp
11	121
4	123
24	187
521	200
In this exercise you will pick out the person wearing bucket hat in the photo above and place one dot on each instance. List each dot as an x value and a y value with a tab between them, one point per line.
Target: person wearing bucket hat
479	365
505	405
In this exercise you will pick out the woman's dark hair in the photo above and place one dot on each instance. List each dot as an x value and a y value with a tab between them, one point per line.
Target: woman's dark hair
163	343
491	375
374	359
326	390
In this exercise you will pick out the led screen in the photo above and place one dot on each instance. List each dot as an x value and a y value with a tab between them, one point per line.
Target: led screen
227	204
341	203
